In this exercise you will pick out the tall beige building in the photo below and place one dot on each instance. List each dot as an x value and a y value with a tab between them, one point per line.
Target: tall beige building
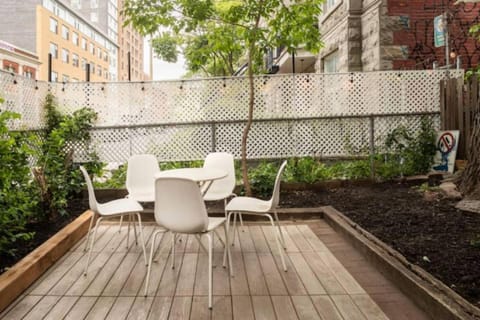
53	27
129	41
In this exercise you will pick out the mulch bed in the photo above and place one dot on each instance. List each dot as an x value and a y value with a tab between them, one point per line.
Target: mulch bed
431	232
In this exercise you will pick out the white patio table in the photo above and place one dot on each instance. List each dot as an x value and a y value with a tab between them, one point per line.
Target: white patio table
203	176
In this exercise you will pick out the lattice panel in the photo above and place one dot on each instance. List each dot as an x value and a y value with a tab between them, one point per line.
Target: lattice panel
184	120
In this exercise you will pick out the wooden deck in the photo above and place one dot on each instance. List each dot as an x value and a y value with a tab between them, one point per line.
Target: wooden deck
316	286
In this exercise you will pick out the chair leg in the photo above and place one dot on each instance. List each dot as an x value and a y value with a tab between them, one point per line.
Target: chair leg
135	230
277	238
280	229
173	250
241	220
219	238
142	237
120	224
128	229
197	236
91	245
210	271
149	268
227	251
234	227
89	230
227	226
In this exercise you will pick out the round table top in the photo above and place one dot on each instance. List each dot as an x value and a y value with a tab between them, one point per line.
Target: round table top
195	174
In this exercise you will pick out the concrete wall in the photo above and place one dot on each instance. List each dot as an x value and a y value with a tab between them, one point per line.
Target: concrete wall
18	23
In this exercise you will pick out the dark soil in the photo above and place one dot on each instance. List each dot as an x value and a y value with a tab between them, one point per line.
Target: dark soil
431	233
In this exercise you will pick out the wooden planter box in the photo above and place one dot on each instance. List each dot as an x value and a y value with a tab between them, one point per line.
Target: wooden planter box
19	277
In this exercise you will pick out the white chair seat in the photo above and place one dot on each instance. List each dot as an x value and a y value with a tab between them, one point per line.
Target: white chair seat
120	206
248	204
214	223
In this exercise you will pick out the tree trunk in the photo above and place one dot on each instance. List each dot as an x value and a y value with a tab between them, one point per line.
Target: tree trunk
470	183
246	130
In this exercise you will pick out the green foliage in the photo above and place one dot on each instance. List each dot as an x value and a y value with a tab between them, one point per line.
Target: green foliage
18	196
262	178
214	36
408	152
56	174
306	170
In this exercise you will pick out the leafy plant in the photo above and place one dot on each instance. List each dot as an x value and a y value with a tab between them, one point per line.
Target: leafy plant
307	170
56	174
262	178
18	196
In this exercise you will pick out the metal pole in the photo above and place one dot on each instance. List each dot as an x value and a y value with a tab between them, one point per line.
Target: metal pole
293	62
447	47
87	72
128	66
214	137
49	67
372	146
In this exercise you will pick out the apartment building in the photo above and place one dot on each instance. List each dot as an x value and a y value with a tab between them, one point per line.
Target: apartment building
53	27
373	35
131	51
18	61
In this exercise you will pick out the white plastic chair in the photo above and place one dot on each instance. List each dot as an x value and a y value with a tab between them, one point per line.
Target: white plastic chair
140	181
265	208
179	208
221	189
111	209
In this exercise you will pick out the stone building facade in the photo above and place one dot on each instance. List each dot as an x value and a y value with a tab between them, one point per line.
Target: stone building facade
371	35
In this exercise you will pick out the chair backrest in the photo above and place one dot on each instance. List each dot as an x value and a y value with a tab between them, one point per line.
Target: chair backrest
276	188
141	172
223	161
92	200
179	205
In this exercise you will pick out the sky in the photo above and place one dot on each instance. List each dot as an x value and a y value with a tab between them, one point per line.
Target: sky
163	70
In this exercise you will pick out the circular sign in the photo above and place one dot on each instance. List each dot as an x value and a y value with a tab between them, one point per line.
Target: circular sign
446	142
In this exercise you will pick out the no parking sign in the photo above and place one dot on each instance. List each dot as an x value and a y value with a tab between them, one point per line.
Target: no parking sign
447	143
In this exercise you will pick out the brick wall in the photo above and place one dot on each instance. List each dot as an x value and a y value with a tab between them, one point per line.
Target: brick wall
415	33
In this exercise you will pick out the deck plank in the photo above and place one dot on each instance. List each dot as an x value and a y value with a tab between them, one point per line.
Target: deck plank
180	308
297	237
239	283
98	284
305	308
186	278
274	280
22	308
283	307
326	308
222	308
245	239
120	308
101	308
347	308
324	274
259	240
61	308
256	280
310	281
121	274
347	281
263	308
160	308
81	308
312	239
200	309
42	308
242	308
140	309
368	307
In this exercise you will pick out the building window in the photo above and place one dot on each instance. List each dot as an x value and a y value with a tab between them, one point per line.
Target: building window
84	64
105	57
99	70
28	72
99	54
94	17
54	76
84	44
65	78
75	59
94	4
75	38
54	50
76	4
330	62
92	67
330	4
53	25
105	73
65	55
65	32
92	48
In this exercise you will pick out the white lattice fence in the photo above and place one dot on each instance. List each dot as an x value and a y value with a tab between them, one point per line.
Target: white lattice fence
295	115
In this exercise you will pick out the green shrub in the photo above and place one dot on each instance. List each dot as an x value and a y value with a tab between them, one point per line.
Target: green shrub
57	176
18	195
